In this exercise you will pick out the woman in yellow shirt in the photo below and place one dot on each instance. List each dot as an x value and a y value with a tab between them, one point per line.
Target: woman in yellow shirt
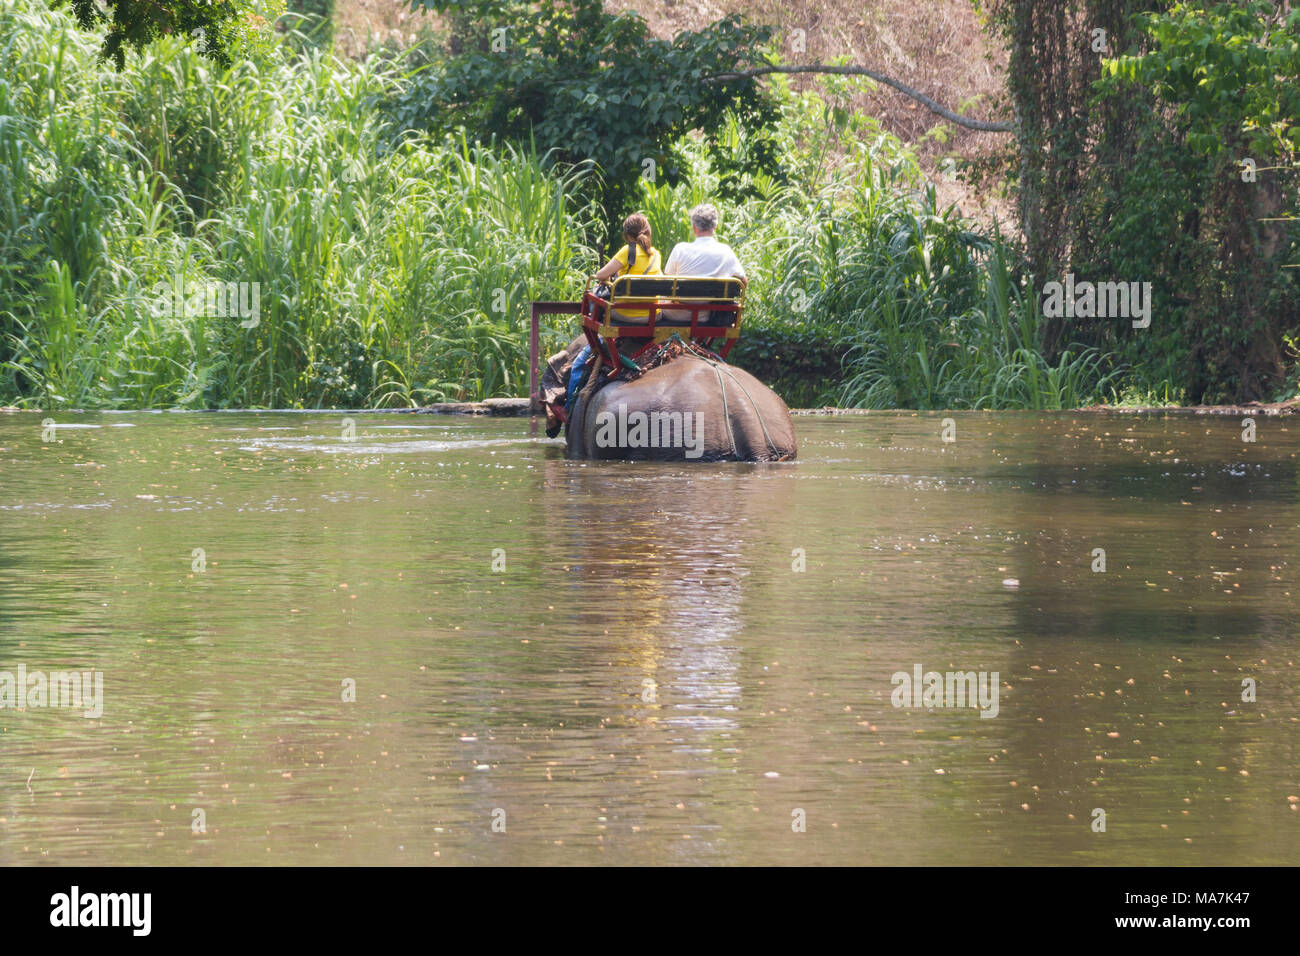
636	258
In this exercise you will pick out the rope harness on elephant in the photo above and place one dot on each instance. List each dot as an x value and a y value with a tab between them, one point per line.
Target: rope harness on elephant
727	415
676	347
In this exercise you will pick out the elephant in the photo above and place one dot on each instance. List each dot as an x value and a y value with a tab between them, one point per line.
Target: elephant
691	408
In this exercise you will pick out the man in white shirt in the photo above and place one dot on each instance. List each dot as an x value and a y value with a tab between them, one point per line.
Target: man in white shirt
706	256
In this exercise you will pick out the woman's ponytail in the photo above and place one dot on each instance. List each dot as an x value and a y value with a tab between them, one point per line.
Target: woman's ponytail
636	228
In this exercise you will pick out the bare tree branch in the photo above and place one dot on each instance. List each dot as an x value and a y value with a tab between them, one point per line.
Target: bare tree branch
984	126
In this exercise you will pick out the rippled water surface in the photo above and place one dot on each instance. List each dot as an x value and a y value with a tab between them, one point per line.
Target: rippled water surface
646	664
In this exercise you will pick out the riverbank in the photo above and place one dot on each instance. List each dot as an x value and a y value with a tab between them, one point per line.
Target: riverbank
1289	407
518	408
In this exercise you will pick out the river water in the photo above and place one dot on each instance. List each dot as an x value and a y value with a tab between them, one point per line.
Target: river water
434	640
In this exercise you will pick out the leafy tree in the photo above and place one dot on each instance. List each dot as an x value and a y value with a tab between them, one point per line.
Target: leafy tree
215	24
1132	119
1230	69
1227	77
591	85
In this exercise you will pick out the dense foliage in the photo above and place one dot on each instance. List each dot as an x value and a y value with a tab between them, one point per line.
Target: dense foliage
217	26
590	85
1231	72
1134	121
313	20
391	219
383	276
398	270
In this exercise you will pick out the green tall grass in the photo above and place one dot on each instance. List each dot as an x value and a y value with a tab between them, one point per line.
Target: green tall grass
398	271
389	273
904	353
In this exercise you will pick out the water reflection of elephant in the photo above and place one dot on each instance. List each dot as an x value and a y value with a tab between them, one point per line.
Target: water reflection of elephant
658	556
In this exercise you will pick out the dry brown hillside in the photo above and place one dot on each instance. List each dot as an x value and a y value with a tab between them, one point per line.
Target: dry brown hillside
360	23
937	47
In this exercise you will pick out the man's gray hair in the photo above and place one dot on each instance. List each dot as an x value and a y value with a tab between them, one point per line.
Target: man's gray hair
704	217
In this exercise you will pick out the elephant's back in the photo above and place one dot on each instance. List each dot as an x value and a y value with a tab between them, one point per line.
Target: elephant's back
742	419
